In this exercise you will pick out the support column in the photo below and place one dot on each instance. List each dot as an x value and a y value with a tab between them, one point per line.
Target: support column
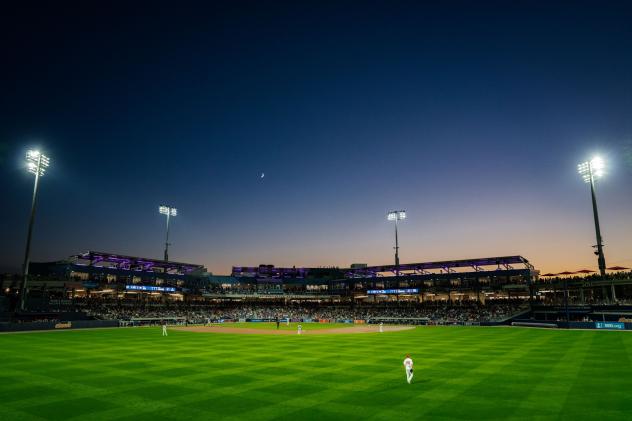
566	300
531	287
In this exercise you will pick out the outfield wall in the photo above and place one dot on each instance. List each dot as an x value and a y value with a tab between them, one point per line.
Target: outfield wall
575	325
83	324
596	325
75	324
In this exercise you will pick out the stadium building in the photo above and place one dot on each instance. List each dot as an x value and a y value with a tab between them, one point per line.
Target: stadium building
108	276
115	275
452	280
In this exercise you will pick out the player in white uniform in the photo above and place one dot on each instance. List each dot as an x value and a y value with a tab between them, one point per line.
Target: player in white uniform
164	329
300	329
408	365
381	327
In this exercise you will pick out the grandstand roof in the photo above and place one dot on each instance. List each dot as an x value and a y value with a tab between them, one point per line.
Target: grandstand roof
449	266
269	271
479	265
118	261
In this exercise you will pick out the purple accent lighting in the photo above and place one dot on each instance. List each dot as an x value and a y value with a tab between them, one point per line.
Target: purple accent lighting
137	263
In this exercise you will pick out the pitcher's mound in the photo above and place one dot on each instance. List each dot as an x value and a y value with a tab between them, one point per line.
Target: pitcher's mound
254	331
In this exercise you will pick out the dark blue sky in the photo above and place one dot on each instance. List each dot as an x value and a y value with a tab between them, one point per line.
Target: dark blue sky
472	116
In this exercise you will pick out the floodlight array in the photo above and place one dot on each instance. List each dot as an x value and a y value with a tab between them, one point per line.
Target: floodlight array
396	215
592	169
36	162
167	210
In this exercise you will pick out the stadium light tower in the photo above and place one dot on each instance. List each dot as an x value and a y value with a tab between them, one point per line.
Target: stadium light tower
396	216
36	164
169	211
590	171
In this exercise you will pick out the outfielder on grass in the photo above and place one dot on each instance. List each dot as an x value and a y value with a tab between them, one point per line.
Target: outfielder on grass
408	365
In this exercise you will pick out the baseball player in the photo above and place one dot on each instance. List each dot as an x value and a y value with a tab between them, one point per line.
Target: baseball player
408	365
300	329
164	328
381	327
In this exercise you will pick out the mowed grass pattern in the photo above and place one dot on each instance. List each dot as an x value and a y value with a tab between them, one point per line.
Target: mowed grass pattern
460	373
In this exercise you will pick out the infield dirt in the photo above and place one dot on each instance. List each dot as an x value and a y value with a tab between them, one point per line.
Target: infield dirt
253	331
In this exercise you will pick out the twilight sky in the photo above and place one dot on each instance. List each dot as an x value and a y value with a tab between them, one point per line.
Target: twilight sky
472	116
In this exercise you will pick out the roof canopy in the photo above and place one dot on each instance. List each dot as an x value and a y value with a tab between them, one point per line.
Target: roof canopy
449	266
118	261
479	265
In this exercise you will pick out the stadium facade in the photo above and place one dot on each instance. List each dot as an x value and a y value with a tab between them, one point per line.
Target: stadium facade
445	280
114	275
115	280
466	279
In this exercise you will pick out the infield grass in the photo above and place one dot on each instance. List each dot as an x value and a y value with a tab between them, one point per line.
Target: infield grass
460	373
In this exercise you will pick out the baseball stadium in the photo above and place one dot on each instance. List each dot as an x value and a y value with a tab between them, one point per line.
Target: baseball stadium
108	336
316	210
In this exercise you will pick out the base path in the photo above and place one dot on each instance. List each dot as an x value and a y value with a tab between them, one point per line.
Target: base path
254	331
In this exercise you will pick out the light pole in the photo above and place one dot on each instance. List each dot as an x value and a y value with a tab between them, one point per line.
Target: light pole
169	211
36	164
396	216
590	171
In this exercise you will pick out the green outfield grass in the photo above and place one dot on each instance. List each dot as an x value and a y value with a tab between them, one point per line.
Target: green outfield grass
460	373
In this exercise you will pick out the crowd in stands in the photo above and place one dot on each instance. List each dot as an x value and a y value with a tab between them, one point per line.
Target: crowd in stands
593	277
195	312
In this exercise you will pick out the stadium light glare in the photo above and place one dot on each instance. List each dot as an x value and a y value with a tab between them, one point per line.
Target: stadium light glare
590	171
166	210
169	212
396	216
36	164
